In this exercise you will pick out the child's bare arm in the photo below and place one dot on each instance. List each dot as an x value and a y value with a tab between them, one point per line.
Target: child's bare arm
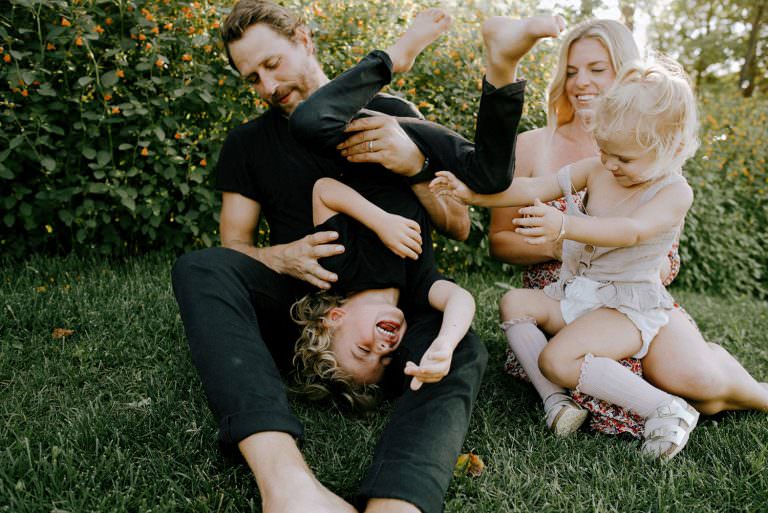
664	211
523	191
458	307
399	234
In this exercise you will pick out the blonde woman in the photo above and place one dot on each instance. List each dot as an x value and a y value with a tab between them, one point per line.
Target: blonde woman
678	361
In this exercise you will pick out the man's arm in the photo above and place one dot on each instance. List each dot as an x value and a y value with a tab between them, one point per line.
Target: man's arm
238	221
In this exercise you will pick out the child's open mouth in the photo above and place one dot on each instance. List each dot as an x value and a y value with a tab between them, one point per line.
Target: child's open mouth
388	330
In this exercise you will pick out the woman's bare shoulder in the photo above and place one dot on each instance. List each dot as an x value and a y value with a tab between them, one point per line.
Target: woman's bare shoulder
529	149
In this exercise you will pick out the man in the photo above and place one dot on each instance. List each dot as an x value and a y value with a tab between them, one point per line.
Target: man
235	300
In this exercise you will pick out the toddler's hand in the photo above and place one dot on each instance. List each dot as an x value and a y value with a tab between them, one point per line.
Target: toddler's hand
541	223
445	183
401	235
434	366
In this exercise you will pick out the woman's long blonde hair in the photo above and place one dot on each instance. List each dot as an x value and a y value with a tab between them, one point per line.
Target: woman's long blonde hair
617	41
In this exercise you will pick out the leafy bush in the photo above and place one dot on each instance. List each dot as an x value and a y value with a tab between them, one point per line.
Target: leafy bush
114	112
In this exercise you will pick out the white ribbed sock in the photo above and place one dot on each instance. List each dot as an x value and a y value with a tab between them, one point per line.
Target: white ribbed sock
527	342
610	381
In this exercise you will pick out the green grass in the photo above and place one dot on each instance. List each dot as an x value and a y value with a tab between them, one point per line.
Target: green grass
113	417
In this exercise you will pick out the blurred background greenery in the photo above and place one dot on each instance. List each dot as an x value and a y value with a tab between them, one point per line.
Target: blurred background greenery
112	113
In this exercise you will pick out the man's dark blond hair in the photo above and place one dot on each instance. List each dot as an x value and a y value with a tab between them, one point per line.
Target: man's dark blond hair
247	13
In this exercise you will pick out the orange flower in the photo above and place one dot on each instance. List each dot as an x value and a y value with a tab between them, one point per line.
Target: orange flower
115	110
7	58
148	46
400	82
411	91
221	81
50	47
142	37
79	41
65	22
177	136
215	24
24	92
99	29
107	97
155	29
208	48
203	163
120	73
108	21
159	63
144	152
191	30
2	49
186	57
168	26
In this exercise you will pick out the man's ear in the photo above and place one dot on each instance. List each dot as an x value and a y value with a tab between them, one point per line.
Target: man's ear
303	36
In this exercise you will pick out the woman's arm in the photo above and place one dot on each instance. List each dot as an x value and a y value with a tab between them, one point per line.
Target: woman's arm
505	244
331	197
458	307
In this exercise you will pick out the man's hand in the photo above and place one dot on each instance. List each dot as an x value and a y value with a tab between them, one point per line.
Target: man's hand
434	365
300	258
381	140
446	184
401	235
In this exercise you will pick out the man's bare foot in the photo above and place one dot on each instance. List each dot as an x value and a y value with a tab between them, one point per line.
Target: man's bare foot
507	41
304	493
425	28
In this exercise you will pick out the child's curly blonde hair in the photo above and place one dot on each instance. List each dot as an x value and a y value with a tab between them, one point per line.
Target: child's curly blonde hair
654	102
318	375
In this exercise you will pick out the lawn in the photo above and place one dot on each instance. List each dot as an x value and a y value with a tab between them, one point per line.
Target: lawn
113	418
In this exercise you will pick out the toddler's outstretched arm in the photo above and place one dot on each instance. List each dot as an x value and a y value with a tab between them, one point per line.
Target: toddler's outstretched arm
400	234
458	307
523	191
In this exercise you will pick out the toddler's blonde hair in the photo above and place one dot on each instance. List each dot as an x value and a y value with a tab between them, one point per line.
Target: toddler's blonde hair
318	375
654	103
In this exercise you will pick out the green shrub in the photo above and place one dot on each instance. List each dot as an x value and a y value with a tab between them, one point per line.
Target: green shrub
112	114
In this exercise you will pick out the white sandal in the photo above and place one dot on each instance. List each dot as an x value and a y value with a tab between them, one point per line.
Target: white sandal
668	428
563	416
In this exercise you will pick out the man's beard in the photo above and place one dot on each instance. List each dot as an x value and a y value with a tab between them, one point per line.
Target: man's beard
304	85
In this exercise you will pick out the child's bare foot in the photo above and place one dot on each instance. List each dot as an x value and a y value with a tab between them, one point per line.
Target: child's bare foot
425	28
507	41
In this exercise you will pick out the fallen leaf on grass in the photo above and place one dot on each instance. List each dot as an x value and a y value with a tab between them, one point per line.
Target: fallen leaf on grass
61	333
140	404
469	464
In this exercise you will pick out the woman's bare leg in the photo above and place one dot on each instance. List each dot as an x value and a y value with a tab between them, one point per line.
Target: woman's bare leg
681	362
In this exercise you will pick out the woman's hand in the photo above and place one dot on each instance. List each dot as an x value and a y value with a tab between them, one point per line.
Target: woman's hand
445	183
541	224
400	234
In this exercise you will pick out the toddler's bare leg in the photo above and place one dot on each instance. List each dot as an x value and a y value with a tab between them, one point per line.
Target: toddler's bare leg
424	29
507	41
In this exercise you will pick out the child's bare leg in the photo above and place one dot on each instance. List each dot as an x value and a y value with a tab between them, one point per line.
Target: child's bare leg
425	28
584	354
522	312
507	41
681	362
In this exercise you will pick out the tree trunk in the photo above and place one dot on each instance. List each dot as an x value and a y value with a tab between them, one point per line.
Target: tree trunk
747	74
627	8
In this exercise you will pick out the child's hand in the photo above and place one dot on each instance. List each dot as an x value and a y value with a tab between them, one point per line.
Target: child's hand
446	184
541	223
433	367
401	235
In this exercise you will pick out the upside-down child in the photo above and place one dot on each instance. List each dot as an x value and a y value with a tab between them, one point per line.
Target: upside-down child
351	331
609	302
